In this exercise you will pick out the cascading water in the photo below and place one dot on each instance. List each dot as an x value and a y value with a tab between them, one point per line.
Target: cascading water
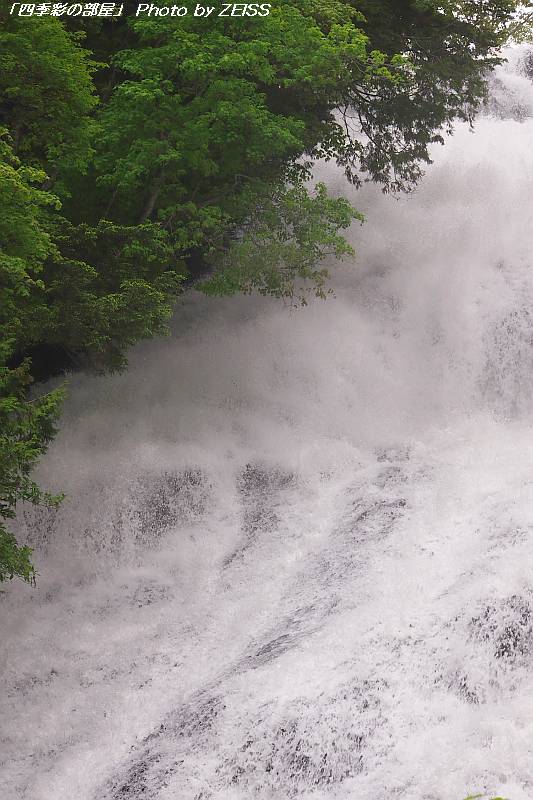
296	558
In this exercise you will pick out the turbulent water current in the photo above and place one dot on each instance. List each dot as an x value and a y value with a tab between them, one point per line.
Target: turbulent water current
296	555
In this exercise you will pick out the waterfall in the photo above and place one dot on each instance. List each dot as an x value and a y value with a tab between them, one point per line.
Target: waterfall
295	559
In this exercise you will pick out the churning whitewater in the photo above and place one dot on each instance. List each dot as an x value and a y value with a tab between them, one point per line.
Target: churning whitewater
296	556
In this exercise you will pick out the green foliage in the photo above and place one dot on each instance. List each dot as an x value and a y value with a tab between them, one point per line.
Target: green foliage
479	796
50	291
96	312
46	95
289	233
218	101
25	243
448	49
26	428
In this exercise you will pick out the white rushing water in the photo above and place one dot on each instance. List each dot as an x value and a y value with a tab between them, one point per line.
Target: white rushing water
296	558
